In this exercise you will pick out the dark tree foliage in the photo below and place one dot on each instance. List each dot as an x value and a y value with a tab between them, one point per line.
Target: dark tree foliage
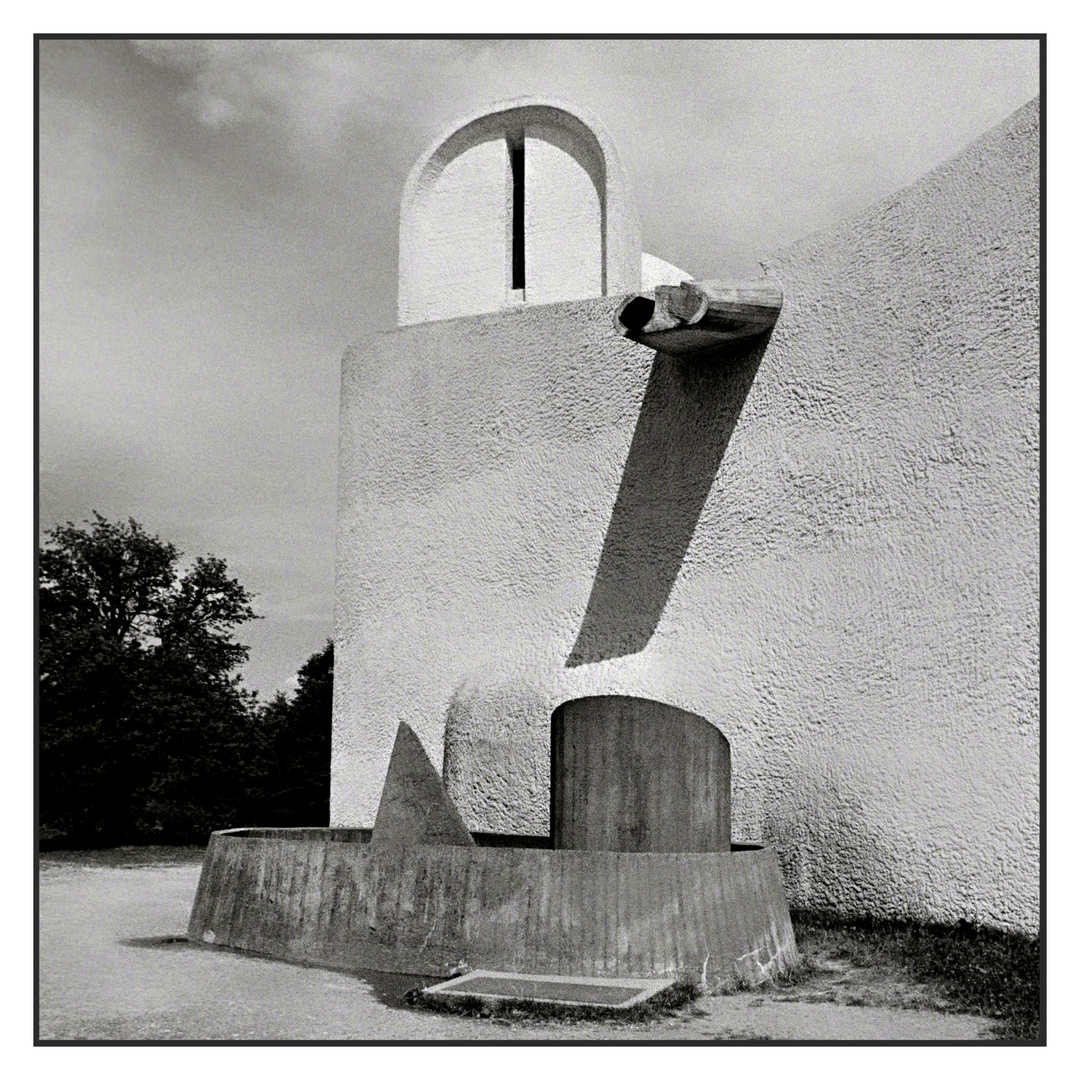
145	732
296	742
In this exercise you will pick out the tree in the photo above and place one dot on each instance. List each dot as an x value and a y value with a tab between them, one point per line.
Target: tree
143	723
296	738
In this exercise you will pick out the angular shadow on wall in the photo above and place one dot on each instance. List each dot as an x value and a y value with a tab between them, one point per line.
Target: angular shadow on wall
689	412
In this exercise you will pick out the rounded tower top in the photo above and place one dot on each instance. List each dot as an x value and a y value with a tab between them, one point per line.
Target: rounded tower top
525	202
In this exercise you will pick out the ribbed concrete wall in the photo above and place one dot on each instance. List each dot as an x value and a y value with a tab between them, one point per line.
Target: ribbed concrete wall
829	550
427	909
629	774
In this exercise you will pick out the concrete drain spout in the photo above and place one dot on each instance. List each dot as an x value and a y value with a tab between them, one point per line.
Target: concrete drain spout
700	316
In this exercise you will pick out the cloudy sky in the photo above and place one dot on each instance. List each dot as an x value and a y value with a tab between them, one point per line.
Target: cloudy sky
218	219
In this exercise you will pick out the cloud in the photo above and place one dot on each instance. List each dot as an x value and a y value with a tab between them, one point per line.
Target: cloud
306	90
228	83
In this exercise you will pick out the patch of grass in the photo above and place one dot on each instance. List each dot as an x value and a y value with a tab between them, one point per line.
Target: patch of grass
739	1035
666	1004
126	857
973	969
798	974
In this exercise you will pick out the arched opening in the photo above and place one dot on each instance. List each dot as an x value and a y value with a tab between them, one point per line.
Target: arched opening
515	206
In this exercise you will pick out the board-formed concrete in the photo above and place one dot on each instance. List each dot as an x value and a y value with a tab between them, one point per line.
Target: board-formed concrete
113	966
628	774
414	807
432	909
831	544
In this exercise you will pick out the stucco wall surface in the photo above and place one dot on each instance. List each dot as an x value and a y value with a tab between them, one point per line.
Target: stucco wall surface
828	547
581	233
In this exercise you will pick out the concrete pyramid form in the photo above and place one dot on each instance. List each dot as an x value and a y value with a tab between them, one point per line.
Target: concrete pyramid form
414	807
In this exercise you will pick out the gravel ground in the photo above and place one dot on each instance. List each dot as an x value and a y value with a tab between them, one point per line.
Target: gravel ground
114	966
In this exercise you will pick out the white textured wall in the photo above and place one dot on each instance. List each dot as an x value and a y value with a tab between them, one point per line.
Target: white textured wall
563	238
850	594
582	235
458	259
656	271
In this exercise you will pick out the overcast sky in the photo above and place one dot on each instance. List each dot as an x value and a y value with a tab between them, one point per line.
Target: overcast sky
219	219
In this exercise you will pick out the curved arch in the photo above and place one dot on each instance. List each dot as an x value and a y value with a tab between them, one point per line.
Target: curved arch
468	207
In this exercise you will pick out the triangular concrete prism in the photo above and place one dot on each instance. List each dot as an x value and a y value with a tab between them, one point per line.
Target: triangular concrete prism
414	807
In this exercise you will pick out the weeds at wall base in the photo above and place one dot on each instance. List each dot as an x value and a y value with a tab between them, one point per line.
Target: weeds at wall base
971	969
961	969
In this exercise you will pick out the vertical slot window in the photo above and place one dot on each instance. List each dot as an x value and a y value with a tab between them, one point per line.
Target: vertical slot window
517	224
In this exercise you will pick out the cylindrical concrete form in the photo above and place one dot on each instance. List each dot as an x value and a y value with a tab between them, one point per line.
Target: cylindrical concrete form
629	774
327	897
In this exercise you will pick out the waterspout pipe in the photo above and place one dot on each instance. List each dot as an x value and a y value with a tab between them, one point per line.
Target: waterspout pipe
700	316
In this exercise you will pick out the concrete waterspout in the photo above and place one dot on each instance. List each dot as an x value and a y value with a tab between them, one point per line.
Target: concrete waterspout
700	316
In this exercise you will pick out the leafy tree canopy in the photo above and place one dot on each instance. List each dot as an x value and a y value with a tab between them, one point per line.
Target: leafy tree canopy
116	581
298	735
146	734
143	724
